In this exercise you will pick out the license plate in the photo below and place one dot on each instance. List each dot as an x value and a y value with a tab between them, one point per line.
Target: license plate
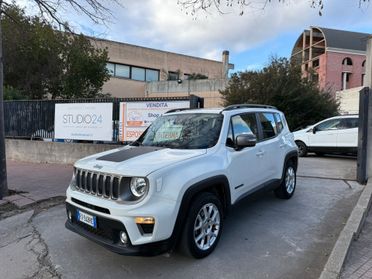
86	218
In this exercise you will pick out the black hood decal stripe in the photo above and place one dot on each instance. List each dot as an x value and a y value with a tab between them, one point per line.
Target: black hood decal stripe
127	154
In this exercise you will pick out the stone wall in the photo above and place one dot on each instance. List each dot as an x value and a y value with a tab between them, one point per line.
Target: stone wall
51	152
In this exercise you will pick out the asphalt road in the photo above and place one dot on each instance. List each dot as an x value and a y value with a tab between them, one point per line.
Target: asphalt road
263	237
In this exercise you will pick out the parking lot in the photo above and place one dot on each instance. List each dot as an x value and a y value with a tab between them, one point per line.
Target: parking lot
263	237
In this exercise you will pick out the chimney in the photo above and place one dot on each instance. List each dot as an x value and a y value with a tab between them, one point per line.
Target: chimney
225	64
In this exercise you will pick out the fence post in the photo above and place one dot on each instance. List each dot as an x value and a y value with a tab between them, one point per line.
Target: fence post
368	83
363	136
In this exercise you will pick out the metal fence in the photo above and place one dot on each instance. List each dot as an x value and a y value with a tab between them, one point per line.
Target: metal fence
34	119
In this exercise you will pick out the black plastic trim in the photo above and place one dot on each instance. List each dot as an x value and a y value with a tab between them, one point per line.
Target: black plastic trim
94	207
190	193
241	106
333	150
151	249
267	186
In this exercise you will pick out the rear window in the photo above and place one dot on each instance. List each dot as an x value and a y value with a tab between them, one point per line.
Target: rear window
349	123
279	123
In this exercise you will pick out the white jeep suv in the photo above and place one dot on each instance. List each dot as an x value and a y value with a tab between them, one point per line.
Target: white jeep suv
175	184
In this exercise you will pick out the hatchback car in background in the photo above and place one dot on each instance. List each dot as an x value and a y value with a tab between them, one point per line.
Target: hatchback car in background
338	135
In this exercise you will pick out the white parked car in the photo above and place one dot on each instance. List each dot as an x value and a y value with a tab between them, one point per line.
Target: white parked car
337	134
175	184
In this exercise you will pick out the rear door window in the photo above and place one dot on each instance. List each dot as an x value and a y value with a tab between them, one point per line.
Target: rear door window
268	125
333	124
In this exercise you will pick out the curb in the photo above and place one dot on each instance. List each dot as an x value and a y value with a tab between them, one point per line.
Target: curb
350	232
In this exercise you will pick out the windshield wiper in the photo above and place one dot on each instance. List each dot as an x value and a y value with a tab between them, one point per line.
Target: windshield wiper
136	143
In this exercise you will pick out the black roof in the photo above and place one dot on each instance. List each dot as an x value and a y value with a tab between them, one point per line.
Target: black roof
345	39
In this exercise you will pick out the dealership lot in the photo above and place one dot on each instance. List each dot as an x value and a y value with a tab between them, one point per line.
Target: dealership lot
263	237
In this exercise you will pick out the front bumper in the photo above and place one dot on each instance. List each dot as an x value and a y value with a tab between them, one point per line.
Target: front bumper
107	235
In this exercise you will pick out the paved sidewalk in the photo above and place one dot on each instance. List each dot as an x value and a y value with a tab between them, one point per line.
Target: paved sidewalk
35	182
359	261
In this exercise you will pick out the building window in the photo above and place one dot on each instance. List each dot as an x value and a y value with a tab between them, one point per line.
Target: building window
138	73
152	75
347	61
110	68
316	63
173	76
122	71
132	72
345	80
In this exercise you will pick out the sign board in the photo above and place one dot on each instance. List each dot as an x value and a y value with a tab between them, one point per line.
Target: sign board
135	117
83	121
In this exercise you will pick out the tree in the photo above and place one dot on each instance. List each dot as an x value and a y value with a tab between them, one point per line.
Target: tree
40	61
96	10
280	84
226	6
11	93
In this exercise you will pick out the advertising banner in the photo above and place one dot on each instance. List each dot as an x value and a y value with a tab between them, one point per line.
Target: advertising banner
135	117
83	121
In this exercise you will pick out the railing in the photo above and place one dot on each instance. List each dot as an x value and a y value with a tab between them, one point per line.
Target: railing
34	119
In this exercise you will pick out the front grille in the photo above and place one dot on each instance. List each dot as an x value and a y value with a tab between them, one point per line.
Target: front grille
99	184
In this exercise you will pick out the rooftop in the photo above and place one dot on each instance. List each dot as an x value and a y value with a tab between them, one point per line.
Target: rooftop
344	39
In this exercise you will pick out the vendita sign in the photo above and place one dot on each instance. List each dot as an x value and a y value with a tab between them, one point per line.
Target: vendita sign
83	121
135	117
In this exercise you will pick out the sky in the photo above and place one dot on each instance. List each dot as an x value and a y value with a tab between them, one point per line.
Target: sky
251	38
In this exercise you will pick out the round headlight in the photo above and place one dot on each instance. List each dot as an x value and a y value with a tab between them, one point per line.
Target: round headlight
138	186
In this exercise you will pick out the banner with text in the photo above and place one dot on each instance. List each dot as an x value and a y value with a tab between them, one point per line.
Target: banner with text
83	121
135	117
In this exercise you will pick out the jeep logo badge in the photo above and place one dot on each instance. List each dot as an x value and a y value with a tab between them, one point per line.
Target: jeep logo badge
98	167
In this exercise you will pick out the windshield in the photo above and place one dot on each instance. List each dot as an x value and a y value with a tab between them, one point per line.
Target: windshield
183	131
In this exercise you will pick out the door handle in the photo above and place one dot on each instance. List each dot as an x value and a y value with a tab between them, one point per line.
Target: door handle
260	153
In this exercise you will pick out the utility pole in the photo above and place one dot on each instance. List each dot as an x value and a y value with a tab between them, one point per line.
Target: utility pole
3	178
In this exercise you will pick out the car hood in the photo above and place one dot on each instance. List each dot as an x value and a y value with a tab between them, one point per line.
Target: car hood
302	131
136	161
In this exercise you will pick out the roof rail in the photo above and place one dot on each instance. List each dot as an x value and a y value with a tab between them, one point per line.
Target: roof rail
239	106
177	109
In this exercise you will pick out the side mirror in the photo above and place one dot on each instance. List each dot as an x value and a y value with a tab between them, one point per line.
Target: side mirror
245	140
315	129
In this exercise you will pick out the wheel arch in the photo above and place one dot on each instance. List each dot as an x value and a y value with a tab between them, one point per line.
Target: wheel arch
298	140
293	157
218	185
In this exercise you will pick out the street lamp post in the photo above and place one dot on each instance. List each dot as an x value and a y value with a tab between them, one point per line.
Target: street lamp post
3	179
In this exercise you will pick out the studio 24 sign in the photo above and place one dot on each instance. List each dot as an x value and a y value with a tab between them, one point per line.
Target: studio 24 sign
83	121
135	117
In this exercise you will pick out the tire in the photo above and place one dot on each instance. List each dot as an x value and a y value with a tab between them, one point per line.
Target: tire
302	149
288	184
190	245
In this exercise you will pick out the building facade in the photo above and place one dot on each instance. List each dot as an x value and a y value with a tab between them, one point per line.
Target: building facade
334	58
136	71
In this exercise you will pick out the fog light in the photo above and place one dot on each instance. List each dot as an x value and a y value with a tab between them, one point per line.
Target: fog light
69	215
123	237
145	220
